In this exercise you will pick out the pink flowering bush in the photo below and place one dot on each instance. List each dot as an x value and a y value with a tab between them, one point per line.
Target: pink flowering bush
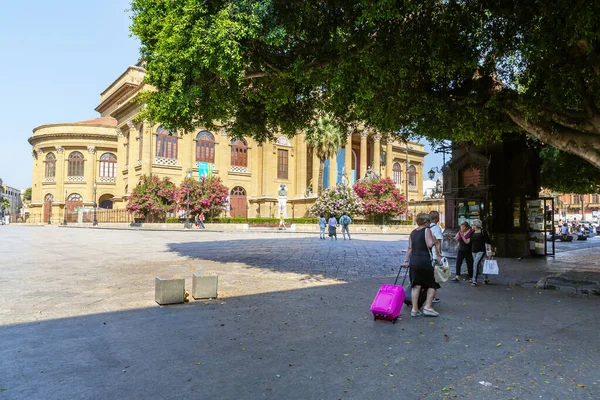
207	195
152	198
337	200
381	199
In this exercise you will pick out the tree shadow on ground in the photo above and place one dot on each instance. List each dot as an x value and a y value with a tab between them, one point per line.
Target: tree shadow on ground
346	260
311	343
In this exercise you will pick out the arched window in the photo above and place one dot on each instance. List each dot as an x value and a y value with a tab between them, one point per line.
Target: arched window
166	144
412	177
50	165
595	198
108	165
238	191
75	164
75	197
397	174
239	153
205	147
49	198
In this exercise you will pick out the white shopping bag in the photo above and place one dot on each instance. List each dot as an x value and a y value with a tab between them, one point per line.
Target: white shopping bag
490	267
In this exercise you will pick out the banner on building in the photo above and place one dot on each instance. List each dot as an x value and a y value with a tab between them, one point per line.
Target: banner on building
205	169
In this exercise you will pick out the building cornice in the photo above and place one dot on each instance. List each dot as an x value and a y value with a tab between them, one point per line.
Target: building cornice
131	67
34	140
72	124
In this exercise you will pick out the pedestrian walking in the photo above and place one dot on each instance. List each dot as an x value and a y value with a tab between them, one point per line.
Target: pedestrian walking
345	221
464	250
322	226
418	259
201	220
438	235
281	221
479	238
332	226
197	221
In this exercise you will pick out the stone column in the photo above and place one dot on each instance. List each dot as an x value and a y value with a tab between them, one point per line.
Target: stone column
146	135
300	164
348	159
315	173
377	153
59	173
333	170
120	184
90	174
389	158
363	155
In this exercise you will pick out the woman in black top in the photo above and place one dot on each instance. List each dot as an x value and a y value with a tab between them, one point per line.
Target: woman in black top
418	257
478	240
464	249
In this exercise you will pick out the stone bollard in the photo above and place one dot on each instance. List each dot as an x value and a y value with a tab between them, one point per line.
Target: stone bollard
204	287
169	291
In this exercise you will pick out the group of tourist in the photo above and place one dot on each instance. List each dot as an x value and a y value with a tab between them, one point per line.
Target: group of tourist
332	224
425	247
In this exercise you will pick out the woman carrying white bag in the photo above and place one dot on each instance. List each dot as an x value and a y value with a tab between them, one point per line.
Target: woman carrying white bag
478	240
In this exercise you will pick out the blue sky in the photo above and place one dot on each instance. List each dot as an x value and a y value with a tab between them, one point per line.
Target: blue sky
57	58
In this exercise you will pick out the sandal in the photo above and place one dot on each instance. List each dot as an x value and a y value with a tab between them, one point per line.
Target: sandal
456	278
473	283
486	282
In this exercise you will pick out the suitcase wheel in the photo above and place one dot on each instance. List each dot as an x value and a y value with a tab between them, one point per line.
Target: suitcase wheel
394	320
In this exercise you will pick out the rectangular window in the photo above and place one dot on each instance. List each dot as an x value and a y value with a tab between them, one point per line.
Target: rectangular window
166	146
282	164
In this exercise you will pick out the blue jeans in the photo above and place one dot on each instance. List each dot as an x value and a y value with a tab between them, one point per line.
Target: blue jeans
345	230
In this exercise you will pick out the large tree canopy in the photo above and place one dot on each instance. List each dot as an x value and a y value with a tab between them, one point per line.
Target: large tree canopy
459	70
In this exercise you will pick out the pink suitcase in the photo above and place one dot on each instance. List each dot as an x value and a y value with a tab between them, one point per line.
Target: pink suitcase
388	301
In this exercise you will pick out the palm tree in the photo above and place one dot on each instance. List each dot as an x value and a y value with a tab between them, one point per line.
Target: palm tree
326	139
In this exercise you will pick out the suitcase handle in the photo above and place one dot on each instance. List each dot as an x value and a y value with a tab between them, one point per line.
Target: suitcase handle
398	276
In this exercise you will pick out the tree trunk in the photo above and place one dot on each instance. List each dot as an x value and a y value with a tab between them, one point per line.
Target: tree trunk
320	182
584	145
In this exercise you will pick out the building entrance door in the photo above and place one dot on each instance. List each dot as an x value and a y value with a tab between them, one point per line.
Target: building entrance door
238	203
74	201
48	207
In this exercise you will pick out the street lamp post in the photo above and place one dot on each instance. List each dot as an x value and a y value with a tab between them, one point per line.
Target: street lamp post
95	223
65	213
187	185
437	191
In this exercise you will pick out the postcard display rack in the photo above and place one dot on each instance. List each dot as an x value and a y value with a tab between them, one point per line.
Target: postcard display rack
540	221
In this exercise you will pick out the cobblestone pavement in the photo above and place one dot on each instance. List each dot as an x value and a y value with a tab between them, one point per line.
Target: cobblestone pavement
52	272
47	268
78	320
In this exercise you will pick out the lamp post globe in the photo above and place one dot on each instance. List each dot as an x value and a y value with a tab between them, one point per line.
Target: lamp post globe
431	173
95	223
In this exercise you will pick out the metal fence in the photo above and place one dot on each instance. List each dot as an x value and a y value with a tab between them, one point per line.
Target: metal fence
104	216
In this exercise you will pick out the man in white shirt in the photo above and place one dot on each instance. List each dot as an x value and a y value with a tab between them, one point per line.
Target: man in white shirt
436	230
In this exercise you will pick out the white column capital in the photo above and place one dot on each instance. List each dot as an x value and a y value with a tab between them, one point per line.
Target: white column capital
91	149
59	149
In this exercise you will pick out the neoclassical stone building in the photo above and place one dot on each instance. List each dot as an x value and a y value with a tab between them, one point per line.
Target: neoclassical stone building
113	151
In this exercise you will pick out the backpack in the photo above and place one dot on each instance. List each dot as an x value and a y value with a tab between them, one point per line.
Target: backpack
346	220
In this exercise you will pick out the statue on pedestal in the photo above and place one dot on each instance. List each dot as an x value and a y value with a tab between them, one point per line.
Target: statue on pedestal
282	200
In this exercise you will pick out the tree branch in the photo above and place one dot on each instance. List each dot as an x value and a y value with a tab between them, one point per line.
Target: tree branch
572	141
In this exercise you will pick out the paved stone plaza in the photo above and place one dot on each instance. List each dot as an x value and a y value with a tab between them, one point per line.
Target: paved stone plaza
78	320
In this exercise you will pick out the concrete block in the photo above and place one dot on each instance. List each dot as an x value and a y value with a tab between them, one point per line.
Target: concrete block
169	291
204	287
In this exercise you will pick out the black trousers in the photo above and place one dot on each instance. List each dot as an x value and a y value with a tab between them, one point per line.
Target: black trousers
462	256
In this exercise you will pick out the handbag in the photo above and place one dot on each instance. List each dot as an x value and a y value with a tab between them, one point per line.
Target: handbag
441	272
490	267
